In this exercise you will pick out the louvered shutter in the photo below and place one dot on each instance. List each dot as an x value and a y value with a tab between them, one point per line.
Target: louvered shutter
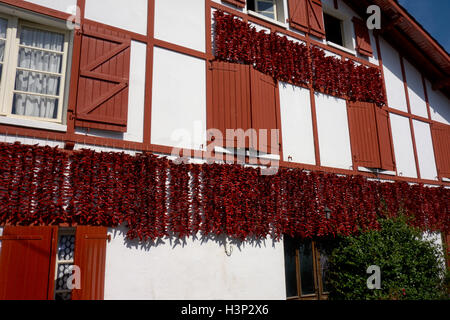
90	257
298	14
363	134
363	45
264	110
384	139
25	263
237	3
315	18
231	97
102	99
441	141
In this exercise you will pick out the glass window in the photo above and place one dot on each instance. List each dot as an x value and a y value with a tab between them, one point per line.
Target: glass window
64	265
333	29
38	73
3	32
37	60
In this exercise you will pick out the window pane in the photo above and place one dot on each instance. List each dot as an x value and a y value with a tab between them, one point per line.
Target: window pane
307	268
2	50
40	60
66	247
37	83
290	267
266	9
324	267
35	106
265	6
42	39
64	272
333	29
3	28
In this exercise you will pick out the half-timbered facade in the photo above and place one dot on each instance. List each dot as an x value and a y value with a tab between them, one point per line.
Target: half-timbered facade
154	76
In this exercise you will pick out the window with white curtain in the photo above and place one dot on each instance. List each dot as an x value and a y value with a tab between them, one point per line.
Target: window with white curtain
33	63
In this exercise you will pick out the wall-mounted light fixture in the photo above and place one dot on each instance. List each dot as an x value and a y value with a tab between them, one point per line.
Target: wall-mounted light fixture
327	212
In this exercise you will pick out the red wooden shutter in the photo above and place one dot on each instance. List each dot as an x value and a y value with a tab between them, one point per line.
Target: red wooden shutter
264	109
25	263
384	139
315	17
231	97
298	15
102	100
363	134
441	141
370	136
237	3
90	254
363	45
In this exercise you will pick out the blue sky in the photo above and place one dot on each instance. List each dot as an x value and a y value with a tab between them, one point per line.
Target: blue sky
433	15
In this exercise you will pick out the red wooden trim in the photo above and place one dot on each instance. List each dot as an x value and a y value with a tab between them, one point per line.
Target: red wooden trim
101	60
429	117
313	112
52	271
279	126
75	69
130	34
149	73
383	79
406	114
411	124
179	49
37	9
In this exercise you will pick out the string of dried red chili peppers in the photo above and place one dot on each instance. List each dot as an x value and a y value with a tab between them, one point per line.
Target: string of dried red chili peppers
156	197
290	61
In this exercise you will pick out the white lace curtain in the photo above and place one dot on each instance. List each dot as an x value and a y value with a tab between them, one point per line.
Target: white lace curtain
39	71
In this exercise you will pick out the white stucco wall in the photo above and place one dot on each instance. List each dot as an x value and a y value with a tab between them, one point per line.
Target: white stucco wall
194	270
403	146
425	151
393	76
60	5
334	136
179	100
416	91
31	141
181	22
439	105
131	16
296	124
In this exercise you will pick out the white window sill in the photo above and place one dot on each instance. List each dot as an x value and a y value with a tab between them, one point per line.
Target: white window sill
334	45
248	153
446	179
262	17
33	124
364	169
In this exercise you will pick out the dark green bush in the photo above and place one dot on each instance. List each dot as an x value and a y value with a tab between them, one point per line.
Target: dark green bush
411	267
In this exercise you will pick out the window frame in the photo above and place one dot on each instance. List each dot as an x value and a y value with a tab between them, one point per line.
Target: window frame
280	12
10	67
61	233
316	253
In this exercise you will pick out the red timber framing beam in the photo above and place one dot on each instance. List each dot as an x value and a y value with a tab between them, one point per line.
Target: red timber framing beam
70	138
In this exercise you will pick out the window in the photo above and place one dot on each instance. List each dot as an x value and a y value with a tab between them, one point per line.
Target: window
306	269
35	253
272	9
333	29
33	63
64	264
